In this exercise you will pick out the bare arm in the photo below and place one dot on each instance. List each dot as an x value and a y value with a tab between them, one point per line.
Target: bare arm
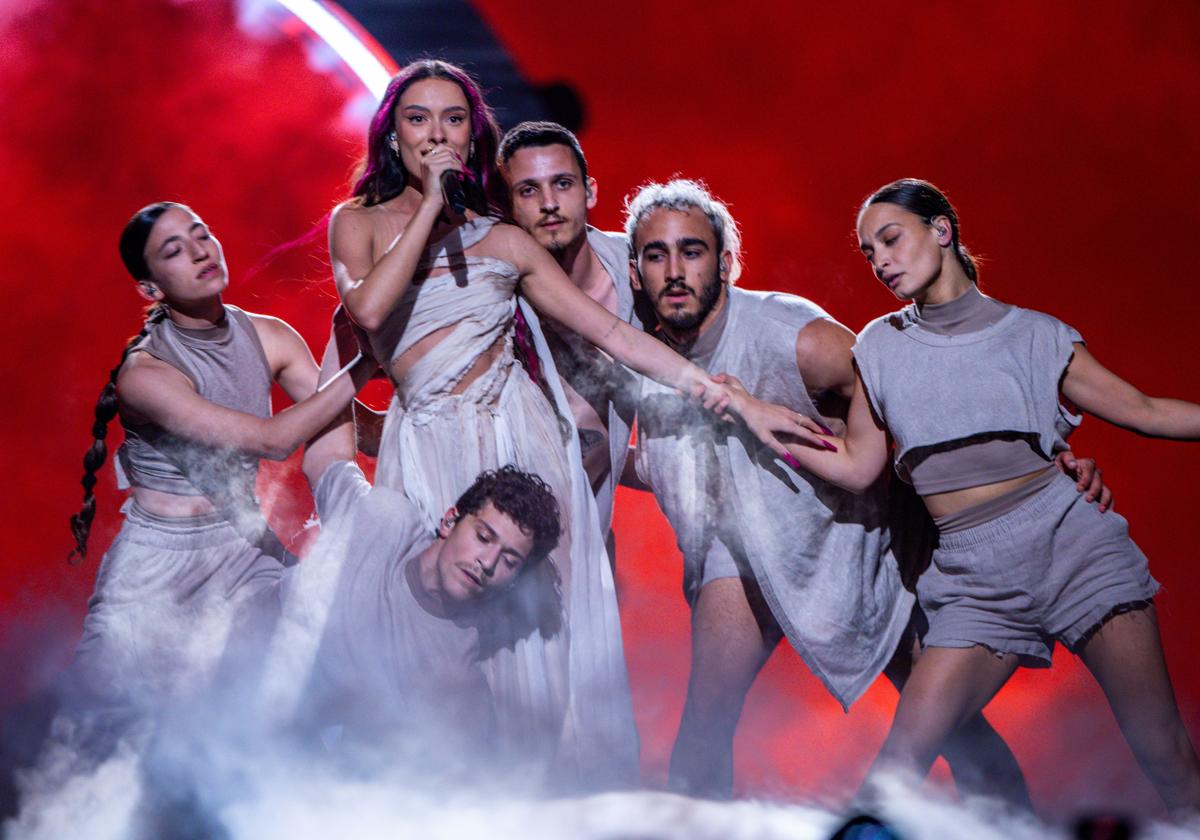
370	290
825	362
824	358
856	460
292	365
1099	391
552	293
155	391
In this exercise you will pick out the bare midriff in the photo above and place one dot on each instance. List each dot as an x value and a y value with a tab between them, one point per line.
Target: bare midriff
403	363
946	504
170	504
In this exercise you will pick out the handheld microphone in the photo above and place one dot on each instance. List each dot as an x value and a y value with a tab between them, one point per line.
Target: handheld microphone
452	191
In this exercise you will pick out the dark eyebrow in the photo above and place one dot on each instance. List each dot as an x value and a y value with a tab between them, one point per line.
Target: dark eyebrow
415	107
691	242
657	243
171	239
533	182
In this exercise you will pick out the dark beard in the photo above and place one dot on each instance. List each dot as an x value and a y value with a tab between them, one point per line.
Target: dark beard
710	292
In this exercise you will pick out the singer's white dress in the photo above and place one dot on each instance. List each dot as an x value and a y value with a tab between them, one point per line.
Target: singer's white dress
559	677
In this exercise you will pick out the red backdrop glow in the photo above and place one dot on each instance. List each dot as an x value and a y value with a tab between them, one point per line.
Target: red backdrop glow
1066	134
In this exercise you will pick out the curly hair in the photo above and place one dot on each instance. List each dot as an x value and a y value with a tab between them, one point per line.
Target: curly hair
521	496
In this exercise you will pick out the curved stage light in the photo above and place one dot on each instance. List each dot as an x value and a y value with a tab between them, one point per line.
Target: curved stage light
352	44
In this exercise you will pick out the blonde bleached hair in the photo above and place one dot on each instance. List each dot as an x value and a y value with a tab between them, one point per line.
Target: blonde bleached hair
684	194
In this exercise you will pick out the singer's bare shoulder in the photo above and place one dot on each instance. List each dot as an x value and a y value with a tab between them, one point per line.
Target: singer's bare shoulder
510	242
513	245
354	222
350	224
353	211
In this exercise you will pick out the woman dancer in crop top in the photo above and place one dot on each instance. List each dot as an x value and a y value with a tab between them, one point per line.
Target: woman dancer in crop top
969	389
437	292
193	390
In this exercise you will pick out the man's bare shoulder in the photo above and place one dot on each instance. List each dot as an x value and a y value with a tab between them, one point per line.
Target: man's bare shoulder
821	337
824	357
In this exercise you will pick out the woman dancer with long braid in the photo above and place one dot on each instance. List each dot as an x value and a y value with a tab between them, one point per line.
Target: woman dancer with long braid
437	292
193	390
970	390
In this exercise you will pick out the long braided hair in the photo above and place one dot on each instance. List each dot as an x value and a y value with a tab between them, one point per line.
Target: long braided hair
133	248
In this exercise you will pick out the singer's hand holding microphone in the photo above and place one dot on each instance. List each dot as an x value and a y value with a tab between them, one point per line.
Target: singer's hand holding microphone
441	176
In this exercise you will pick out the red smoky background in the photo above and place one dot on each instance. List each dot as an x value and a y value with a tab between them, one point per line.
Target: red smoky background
1066	133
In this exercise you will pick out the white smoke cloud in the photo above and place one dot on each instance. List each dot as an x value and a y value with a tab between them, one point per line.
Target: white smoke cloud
222	778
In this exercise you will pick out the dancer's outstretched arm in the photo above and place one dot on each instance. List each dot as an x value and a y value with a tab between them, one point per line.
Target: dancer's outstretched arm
1099	391
553	294
853	461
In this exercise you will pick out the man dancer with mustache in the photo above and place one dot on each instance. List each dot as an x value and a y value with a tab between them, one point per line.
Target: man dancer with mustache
551	193
767	551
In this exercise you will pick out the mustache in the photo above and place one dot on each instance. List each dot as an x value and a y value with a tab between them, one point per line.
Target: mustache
675	286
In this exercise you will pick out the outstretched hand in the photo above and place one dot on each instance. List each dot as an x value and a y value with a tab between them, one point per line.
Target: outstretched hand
772	424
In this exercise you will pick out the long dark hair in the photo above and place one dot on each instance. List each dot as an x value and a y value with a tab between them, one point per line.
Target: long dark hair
383	174
133	255
927	202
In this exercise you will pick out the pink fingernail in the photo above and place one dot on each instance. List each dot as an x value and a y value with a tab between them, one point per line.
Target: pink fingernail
829	446
790	460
